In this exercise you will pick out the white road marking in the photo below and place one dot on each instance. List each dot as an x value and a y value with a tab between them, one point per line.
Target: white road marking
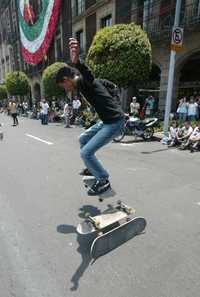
127	144
39	139
198	203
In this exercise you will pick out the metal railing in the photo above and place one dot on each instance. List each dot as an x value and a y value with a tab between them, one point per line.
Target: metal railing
158	20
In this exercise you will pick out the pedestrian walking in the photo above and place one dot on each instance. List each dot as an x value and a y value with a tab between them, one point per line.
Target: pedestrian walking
13	112
108	109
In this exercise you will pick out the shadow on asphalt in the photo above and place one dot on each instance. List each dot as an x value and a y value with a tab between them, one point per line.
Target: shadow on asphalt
154	139
155	151
84	242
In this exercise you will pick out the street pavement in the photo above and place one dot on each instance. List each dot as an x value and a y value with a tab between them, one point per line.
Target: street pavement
42	200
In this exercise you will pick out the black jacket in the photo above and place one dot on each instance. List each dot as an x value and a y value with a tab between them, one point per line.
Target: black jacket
106	106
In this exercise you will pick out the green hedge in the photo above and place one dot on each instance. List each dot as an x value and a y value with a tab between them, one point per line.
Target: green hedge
17	83
3	92
122	54
51	89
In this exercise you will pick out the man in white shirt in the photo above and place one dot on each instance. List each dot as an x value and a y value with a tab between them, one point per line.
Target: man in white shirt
76	105
184	134
134	107
194	140
67	114
44	112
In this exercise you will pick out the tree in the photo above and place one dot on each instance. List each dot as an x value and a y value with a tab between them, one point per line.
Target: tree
17	83
51	89
122	54
3	92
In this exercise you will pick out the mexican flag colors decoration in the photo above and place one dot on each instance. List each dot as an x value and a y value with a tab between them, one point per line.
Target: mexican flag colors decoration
37	33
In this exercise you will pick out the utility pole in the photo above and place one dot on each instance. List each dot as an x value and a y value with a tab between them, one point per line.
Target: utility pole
171	77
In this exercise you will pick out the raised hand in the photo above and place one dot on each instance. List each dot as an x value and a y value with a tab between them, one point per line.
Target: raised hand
74	50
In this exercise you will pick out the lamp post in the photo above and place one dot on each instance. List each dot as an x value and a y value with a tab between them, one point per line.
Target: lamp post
171	78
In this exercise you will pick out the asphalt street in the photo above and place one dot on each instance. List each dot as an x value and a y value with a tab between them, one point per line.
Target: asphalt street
42	199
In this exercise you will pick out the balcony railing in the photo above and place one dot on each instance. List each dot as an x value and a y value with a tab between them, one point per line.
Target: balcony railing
158	20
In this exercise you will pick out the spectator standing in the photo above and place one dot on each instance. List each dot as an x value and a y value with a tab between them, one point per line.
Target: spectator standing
44	112
76	105
149	106
134	107
198	108
192	110
182	110
67	114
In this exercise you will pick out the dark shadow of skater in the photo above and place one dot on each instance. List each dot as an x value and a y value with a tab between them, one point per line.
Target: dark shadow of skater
83	241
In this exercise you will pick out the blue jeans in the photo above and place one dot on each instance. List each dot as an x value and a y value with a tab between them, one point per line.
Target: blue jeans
182	116
92	140
191	118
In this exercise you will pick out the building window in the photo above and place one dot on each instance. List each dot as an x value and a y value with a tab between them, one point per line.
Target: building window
107	21
79	7
79	37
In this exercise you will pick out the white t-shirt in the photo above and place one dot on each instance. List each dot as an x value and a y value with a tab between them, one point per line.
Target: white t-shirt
196	132
192	108
134	107
76	104
185	131
45	108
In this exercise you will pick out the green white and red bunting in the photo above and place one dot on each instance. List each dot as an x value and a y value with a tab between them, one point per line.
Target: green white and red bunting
36	35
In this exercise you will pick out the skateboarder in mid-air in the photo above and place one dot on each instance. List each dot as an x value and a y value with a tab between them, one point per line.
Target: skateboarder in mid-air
107	108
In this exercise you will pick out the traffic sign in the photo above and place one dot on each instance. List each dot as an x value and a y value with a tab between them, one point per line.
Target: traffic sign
177	39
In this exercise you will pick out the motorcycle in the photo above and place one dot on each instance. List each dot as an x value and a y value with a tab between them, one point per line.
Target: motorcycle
137	128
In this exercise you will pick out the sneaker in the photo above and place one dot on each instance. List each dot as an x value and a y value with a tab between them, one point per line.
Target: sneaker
85	172
99	187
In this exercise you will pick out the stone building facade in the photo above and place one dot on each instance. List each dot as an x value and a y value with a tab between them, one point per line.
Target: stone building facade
10	46
156	17
82	18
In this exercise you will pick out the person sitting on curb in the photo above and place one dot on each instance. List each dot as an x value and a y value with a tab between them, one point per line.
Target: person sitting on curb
194	140
173	134
184	134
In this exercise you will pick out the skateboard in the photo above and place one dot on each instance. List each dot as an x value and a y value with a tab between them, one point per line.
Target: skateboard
89	182
107	219
112	239
112	228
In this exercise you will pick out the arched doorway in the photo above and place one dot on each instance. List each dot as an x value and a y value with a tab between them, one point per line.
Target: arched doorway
152	86
37	92
189	82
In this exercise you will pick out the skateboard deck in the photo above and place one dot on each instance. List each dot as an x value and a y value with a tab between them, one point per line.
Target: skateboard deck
109	241
113	215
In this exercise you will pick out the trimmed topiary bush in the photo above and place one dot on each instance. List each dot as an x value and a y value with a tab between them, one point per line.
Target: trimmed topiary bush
122	54
3	92
17	83
51	89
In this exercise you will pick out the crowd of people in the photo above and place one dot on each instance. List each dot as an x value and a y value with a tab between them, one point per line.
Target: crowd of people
147	110
70	111
188	110
185	136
